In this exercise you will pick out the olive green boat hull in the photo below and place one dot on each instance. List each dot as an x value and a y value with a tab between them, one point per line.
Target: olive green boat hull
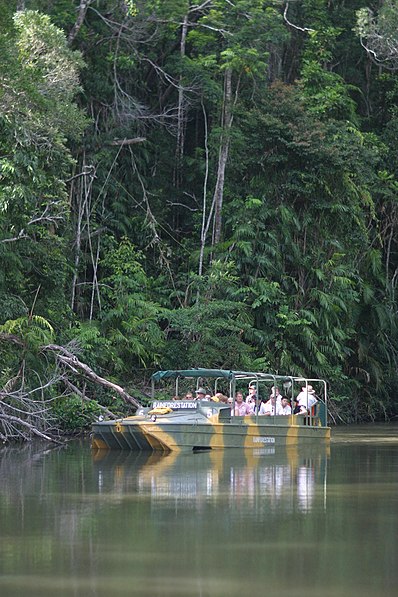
174	434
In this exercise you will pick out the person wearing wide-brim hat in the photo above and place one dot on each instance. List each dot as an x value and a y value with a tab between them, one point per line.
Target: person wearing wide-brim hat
200	394
306	399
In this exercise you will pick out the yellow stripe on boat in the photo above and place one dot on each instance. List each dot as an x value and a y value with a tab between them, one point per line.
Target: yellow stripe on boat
292	432
217	437
158	438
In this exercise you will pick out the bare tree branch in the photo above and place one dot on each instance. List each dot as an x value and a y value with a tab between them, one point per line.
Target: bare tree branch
25	411
79	393
32	428
13	239
65	357
200	7
128	141
378	34
11	338
84	4
304	29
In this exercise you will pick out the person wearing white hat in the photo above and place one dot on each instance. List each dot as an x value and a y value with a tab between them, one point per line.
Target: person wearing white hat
306	399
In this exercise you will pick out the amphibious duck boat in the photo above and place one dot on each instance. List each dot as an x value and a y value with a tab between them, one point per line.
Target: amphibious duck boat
187	424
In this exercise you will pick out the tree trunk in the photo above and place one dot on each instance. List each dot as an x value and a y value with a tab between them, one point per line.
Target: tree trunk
181	117
84	4
206	219
78	236
226	123
82	196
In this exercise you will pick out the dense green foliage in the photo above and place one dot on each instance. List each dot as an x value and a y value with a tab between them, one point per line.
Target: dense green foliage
210	184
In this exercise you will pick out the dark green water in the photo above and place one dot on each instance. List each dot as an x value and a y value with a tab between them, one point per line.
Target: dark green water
321	522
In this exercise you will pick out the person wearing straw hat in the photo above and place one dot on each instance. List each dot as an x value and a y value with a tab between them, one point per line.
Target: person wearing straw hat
306	399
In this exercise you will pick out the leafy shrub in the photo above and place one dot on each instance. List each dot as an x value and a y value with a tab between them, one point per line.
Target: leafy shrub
74	415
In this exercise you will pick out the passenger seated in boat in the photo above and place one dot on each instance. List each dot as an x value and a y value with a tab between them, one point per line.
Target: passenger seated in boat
268	408
306	399
242	408
284	407
188	396
275	392
176	398
219	397
252	395
200	394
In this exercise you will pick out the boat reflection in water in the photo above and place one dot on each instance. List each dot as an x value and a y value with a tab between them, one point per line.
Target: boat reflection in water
269	478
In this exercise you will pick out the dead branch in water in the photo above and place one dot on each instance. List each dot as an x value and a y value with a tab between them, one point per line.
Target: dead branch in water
69	360
27	412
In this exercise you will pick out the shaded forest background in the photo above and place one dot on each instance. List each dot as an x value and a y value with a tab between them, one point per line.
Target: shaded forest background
196	184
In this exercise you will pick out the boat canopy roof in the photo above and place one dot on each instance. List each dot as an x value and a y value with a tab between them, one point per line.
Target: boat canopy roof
216	373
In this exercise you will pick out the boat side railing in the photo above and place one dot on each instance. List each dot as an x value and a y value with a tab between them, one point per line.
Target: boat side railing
290	384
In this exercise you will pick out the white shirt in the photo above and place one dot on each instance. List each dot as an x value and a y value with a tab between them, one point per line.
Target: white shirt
306	399
278	396
267	409
284	410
